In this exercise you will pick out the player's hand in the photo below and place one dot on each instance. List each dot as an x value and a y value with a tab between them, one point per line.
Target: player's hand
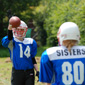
9	27
37	74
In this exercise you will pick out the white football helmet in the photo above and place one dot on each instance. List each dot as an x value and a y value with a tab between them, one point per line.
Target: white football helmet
68	31
21	30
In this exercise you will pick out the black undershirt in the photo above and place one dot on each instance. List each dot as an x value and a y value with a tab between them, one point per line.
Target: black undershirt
10	35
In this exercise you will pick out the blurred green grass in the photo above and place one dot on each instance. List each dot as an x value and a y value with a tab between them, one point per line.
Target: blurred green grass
5	71
4	52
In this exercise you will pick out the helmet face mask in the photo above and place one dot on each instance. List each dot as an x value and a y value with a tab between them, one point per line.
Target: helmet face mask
68	31
21	30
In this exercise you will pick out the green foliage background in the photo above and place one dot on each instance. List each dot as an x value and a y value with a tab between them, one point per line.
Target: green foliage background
47	16
52	13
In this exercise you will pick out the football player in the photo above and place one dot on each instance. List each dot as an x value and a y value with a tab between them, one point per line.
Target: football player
64	64
22	54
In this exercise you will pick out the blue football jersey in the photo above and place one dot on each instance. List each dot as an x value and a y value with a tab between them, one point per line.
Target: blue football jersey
21	52
58	66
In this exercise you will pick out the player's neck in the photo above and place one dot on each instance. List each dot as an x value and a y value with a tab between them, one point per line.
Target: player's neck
20	38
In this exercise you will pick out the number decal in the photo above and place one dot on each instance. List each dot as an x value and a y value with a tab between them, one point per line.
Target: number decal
21	51
78	72
26	52
67	76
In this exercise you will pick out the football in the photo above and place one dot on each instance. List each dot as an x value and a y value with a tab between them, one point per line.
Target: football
14	21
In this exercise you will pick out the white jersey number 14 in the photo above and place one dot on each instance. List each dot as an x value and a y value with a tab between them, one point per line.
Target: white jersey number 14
26	52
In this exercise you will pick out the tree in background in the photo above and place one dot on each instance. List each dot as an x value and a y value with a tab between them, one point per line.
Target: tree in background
52	13
20	8
47	16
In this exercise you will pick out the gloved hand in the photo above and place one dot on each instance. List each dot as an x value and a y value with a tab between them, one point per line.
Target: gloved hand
37	74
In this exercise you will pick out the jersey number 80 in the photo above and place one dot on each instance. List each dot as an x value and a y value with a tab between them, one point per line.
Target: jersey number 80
78	72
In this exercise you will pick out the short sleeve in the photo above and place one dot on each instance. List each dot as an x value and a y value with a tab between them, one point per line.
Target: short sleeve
34	49
46	69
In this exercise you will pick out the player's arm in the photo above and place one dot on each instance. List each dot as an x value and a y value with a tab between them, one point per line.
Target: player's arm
48	84
46	69
35	66
6	40
10	34
34	52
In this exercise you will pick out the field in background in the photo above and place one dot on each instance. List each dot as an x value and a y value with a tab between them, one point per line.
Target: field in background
5	71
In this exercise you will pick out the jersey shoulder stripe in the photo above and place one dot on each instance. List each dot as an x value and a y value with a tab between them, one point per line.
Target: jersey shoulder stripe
25	41
55	53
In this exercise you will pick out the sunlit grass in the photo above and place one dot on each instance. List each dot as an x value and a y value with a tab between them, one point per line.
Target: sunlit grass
5	71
